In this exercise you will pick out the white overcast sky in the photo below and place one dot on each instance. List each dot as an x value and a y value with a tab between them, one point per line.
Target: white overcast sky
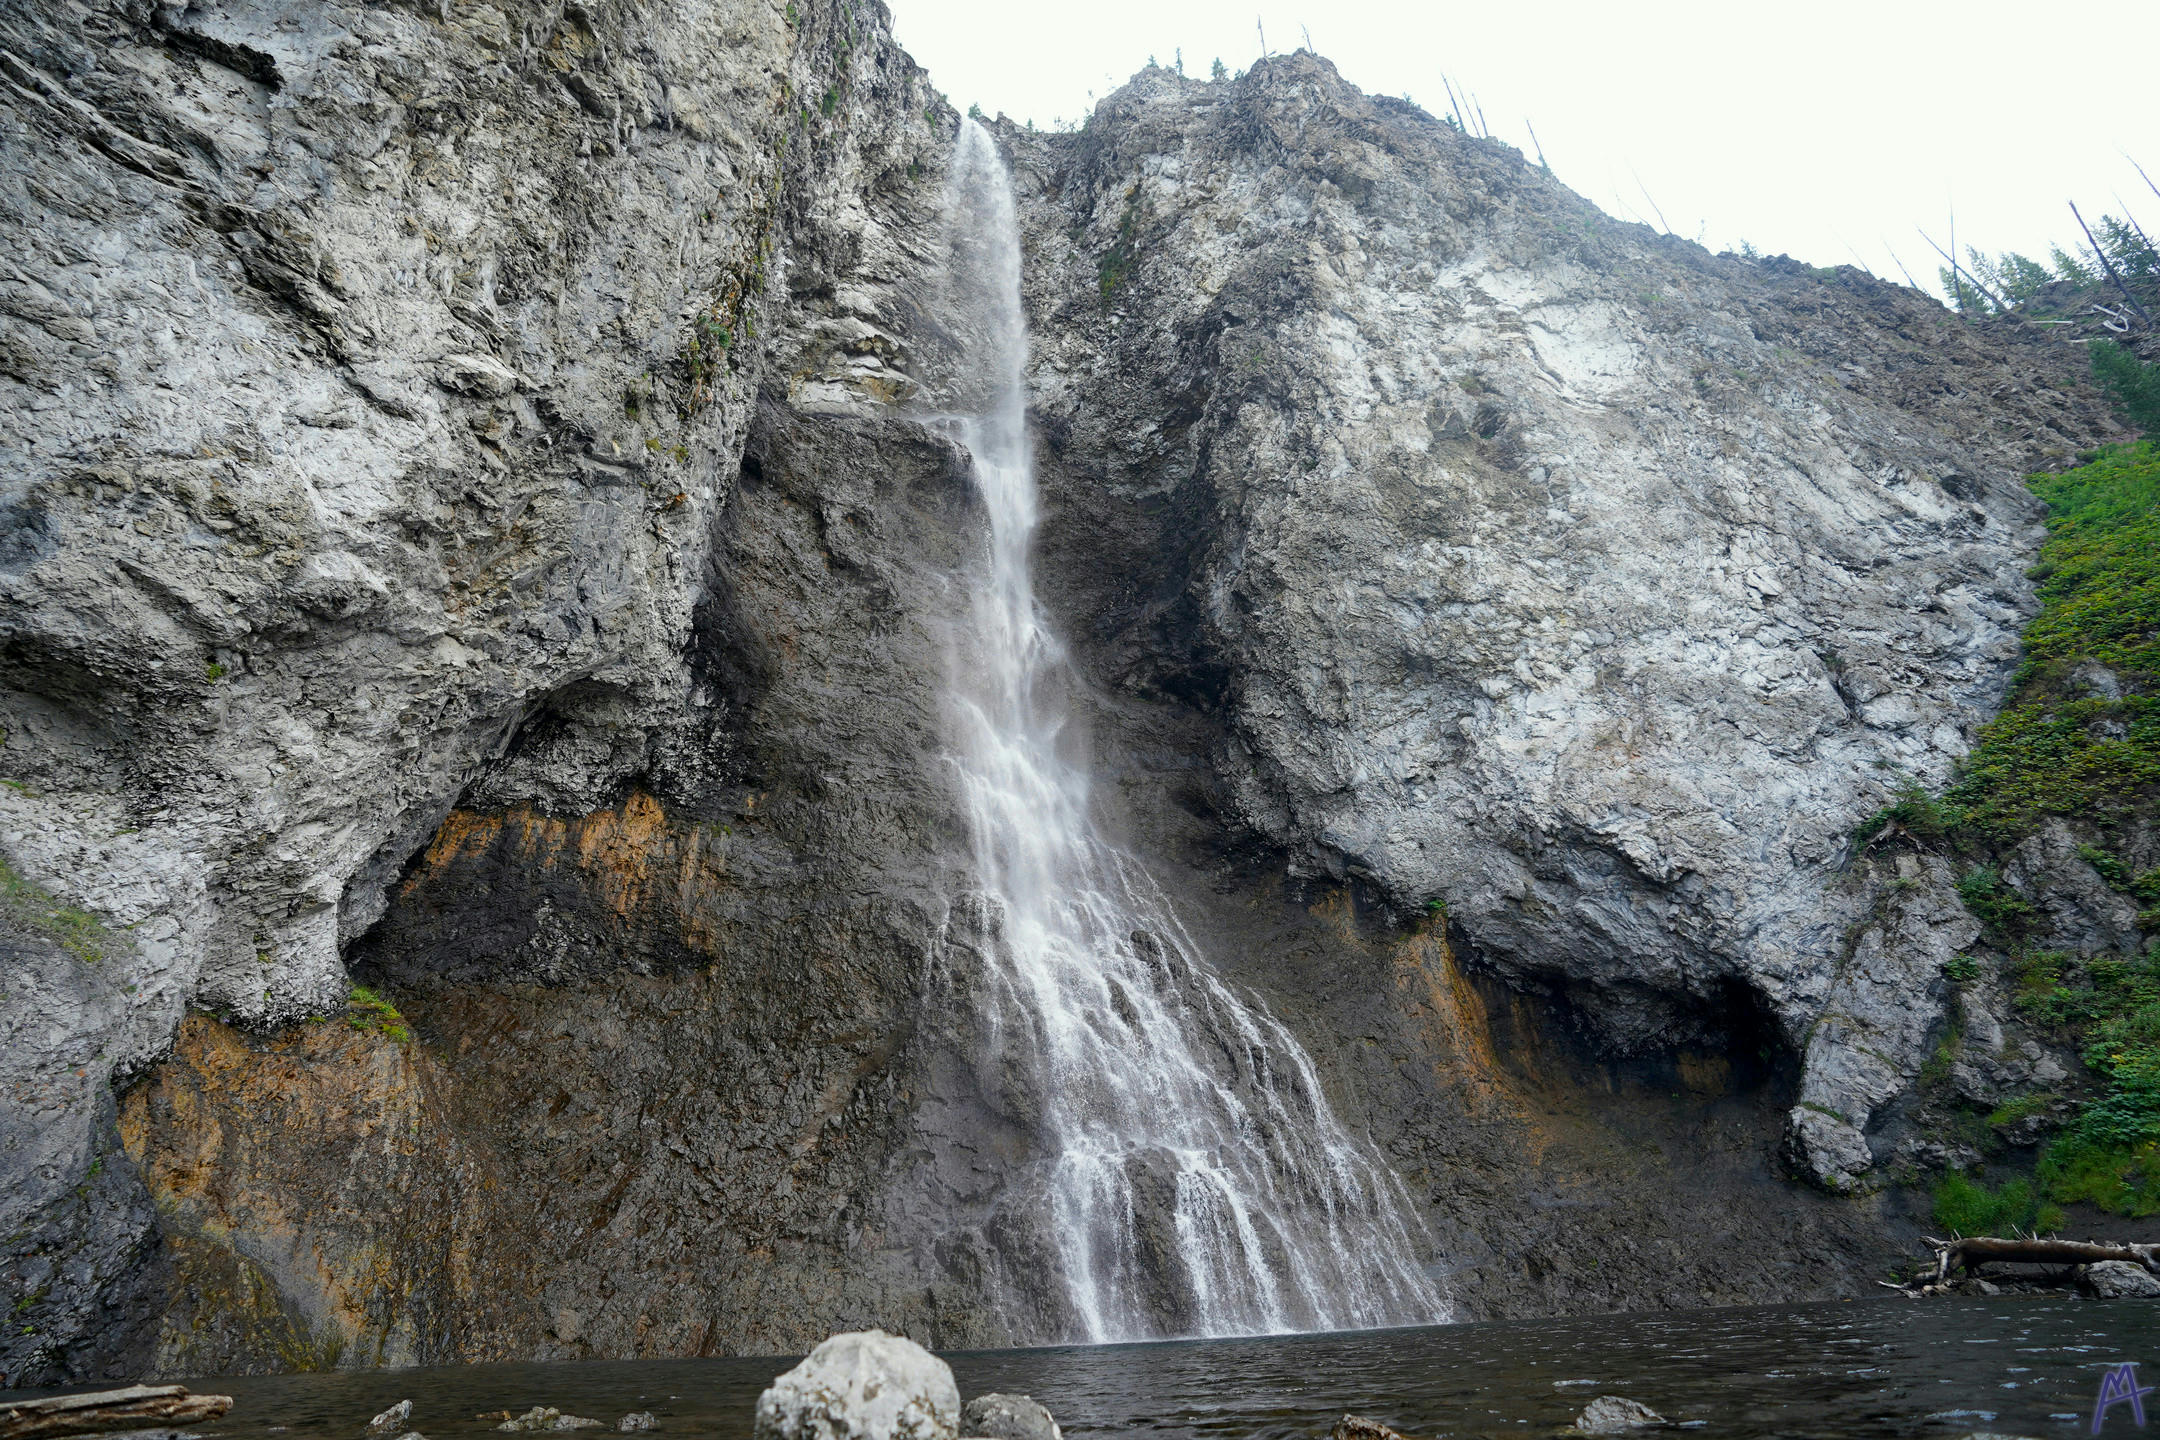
1823	130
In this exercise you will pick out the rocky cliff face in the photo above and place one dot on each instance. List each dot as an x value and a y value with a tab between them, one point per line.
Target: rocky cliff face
374	376
468	524
1543	571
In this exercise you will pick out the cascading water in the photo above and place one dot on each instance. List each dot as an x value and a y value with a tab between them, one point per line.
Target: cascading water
1192	1178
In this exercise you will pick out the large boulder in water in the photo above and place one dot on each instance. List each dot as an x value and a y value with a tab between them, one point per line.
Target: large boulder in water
2119	1280
862	1385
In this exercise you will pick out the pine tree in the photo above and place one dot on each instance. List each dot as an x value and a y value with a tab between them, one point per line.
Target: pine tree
2134	385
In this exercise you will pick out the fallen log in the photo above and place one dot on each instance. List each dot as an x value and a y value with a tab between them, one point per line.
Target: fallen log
1978	1250
138	1407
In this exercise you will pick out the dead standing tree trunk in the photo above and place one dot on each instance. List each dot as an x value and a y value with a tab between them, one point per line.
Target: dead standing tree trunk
2109	265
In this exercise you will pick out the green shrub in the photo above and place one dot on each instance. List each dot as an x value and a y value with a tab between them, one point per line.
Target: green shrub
2040	994
2109	1155
366	1010
2123	1179
2132	384
2056	749
1933	1078
1997	906
1914	814
1964	1206
2024	1107
1117	261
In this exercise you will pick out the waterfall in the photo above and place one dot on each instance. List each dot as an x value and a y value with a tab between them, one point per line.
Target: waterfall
1192	1178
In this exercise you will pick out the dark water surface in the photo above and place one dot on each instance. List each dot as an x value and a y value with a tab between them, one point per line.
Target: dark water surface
2012	1365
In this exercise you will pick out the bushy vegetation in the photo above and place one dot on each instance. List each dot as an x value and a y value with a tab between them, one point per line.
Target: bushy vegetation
2079	737
1117	261
2058	747
1964	1206
369	1011
2133	385
2109	1155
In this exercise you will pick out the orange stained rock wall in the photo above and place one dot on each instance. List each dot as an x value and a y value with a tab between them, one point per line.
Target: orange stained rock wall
631	856
315	1209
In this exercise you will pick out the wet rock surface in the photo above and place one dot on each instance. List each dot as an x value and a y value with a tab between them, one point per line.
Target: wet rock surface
1617	1415
370	395
1535	567
392	1420
476	527
1359	1427
1008	1417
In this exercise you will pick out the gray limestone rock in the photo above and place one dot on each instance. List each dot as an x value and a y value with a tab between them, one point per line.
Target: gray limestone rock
1876	1023
368	394
1616	1415
1008	1417
547	1418
392	1420
2075	905
863	1385
2119	1280
1533	564
1360	1427
471	509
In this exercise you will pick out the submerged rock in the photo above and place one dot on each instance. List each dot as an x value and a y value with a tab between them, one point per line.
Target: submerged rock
547	1417
1616	1415
1358	1427
862	1385
635	1420
392	1420
1008	1417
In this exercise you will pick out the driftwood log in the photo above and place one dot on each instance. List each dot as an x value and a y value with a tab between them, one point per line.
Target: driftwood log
1980	1249
138	1407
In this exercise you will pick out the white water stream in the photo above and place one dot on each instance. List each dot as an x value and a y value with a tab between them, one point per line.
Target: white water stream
1197	1181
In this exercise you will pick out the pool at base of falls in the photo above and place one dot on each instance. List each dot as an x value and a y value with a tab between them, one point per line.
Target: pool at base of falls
1891	1367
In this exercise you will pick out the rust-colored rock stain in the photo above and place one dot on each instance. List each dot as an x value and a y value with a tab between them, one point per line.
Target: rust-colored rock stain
313	1207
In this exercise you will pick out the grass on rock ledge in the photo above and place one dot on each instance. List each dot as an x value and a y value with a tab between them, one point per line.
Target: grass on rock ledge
78	932
2078	738
366	1010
